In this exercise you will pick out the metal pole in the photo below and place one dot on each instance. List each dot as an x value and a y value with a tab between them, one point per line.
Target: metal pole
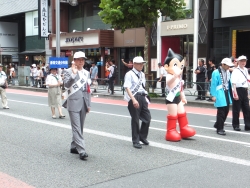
196	33
58	50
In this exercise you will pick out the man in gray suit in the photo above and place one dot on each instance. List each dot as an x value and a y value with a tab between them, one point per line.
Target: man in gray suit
77	80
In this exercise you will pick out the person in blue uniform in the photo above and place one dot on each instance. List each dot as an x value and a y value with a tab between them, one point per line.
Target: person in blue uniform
220	92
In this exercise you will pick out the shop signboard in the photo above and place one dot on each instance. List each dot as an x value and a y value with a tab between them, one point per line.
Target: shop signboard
154	64
58	62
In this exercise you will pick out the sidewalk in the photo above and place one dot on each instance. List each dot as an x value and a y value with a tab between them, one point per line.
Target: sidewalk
118	95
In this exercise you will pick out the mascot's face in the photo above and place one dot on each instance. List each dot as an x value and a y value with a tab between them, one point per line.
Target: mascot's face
175	66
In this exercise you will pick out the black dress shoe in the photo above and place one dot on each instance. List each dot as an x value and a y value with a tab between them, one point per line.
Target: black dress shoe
221	132
144	141
237	129
83	156
247	129
74	150
137	145
197	98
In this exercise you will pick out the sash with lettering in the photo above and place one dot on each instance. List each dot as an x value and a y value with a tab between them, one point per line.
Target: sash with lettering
172	93
135	89
76	86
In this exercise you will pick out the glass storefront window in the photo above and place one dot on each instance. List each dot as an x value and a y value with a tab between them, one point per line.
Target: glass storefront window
85	16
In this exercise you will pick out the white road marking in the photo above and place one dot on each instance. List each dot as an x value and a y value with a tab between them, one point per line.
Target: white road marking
159	121
228	123
28	102
128	139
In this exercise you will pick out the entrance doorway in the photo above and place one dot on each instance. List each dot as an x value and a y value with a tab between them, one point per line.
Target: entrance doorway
242	44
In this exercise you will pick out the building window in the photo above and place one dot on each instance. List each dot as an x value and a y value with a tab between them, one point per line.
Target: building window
36	22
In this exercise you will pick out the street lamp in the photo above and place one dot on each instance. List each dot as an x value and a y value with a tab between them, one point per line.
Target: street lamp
72	3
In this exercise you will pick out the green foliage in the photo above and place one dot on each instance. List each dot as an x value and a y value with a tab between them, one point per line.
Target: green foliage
125	14
153	95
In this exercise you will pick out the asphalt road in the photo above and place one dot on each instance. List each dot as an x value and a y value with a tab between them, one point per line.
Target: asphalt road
35	149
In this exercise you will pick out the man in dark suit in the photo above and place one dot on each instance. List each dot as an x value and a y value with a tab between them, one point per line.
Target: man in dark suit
77	80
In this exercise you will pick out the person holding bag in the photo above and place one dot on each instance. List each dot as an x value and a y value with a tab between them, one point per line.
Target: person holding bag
54	81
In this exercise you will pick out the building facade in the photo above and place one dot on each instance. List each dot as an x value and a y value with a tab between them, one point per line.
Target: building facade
231	29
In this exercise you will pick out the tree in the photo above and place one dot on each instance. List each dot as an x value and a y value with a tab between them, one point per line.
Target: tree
126	14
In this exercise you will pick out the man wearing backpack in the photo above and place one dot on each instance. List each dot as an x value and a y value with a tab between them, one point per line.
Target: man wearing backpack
112	75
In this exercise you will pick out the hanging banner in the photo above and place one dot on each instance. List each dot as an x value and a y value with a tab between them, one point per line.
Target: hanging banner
58	62
43	17
234	32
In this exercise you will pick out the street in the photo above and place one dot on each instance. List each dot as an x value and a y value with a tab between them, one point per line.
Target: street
35	148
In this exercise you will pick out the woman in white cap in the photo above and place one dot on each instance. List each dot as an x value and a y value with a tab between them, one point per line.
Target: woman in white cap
54	81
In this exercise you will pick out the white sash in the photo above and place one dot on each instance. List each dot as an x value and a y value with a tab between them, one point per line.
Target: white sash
76	86
135	89
172	93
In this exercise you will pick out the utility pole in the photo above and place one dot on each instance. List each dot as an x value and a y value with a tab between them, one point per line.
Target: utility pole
58	49
196	33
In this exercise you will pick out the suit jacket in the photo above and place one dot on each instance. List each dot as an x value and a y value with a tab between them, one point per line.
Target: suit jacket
75	101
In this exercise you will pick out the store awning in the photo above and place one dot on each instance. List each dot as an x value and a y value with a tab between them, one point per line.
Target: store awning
30	52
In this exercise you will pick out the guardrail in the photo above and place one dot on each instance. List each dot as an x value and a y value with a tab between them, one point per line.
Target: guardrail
188	87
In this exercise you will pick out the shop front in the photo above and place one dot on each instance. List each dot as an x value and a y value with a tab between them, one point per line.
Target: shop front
128	45
231	38
97	45
178	35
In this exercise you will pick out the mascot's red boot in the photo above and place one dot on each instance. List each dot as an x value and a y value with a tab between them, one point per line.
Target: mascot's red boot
185	131
172	134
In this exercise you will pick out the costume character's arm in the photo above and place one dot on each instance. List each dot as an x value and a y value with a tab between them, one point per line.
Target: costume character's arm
170	79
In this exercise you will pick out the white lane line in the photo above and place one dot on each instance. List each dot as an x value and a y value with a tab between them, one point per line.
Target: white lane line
210	137
117	104
159	121
28	102
128	139
228	123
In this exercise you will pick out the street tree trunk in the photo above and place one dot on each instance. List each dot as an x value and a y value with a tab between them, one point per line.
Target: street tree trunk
146	49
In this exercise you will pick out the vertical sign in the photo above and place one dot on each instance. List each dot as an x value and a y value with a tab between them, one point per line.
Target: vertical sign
154	64
234	32
43	18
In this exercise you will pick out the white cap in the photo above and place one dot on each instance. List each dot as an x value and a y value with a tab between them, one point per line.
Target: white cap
227	61
138	59
33	65
242	57
79	55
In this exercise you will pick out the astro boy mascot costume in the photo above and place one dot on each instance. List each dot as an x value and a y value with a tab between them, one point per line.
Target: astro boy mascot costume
175	100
